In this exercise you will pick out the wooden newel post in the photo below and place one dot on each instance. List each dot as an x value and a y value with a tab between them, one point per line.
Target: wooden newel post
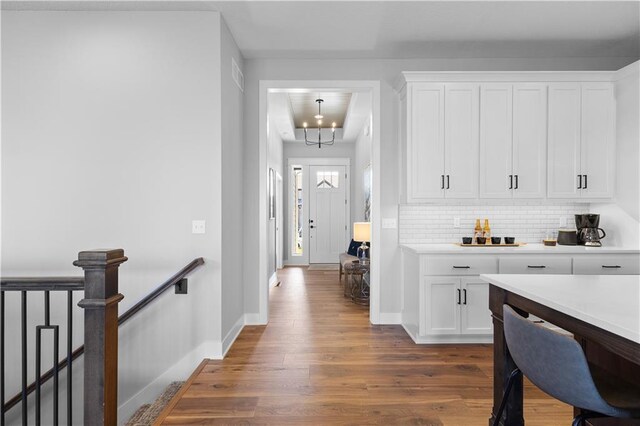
100	306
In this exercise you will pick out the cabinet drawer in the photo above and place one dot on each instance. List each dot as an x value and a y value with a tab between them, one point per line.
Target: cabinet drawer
460	265
615	264
535	265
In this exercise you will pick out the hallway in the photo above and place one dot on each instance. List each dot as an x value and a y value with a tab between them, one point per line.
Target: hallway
319	361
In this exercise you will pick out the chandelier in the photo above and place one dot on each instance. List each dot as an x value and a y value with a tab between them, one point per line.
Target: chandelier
319	117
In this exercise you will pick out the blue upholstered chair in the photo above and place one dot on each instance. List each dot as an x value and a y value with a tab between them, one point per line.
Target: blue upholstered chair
556	364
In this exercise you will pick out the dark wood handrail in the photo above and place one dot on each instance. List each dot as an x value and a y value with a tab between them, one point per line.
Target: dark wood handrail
41	283
182	273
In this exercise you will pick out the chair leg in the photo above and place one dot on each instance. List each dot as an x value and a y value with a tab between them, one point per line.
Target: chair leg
580	418
512	378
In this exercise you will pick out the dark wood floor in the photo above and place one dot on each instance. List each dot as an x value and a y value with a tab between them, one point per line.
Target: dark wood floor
319	361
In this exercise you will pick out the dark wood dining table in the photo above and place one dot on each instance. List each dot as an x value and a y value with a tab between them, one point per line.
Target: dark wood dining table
601	311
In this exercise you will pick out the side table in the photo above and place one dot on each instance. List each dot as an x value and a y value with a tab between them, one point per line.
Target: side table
356	284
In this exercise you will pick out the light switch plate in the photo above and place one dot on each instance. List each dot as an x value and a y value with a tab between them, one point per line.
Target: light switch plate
456	222
198	227
563	222
389	223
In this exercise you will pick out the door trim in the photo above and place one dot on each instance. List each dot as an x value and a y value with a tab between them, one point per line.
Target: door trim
366	86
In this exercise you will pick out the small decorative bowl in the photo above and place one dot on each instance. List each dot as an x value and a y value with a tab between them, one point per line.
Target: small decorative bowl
509	240
481	240
496	240
467	240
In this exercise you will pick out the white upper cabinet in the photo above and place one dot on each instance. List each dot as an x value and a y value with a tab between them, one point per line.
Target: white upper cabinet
425	144
581	140
529	140
442	142
526	135
598	140
496	152
461	140
513	140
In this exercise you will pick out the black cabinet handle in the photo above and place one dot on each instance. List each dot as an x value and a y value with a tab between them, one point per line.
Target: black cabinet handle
510	181
461	267
585	182
516	182
536	266
458	296
448	182
442	185
611	266
311	226
465	296
579	181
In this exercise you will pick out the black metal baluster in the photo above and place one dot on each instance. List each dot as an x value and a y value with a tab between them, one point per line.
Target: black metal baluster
56	389
56	348
38	384
2	358
69	350
23	321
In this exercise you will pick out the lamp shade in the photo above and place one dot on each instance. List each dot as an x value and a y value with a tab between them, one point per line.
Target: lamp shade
362	231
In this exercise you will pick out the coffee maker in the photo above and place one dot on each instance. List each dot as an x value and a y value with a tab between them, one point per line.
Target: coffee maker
588	231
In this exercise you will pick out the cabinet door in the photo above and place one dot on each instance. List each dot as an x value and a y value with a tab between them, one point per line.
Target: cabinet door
530	140
425	145
598	144
461	140
476	316
442	306
564	140
496	179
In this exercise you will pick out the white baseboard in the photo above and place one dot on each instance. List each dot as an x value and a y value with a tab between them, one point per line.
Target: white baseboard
273	279
232	335
462	339
390	318
253	319
180	371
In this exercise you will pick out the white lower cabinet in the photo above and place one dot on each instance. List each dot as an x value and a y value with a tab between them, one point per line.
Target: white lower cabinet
475	314
445	301
455	306
442	306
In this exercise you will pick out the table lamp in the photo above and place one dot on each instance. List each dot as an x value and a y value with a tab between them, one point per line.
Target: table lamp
362	233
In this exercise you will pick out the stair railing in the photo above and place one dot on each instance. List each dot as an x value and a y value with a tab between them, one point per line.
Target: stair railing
101	321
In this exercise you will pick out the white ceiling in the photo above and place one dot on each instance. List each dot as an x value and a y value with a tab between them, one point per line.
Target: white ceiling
430	29
409	29
350	110
334	108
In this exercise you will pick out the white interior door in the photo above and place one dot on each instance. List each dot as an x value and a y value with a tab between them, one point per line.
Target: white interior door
327	213
279	221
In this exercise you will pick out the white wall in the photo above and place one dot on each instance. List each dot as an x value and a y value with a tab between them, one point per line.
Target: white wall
275	161
232	201
362	160
300	150
111	137
387	71
621	220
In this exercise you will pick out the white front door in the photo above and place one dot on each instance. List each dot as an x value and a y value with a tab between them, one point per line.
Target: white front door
327	213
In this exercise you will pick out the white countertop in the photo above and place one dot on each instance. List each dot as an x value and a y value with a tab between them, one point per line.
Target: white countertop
610	302
526	249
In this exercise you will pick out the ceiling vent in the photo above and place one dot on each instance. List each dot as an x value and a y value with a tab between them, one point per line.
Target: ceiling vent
237	75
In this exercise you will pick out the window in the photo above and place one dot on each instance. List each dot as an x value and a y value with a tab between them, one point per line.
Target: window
297	225
327	180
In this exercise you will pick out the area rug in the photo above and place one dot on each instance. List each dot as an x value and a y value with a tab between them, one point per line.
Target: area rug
148	413
324	267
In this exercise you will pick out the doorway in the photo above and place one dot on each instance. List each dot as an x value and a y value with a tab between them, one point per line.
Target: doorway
318	225
371	89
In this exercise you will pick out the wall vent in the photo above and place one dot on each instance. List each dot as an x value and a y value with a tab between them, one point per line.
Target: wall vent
237	75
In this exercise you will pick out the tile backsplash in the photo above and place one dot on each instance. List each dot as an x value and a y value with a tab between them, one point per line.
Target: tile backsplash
528	222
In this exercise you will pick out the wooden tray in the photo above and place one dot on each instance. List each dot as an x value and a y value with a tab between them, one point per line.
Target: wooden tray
516	244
